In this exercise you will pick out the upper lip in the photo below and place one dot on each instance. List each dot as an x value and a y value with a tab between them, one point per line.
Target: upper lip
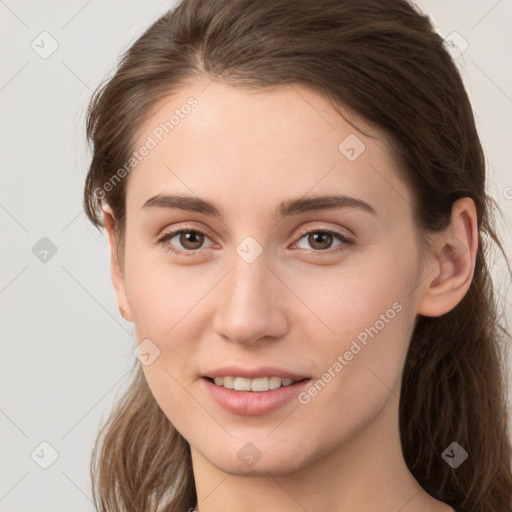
254	373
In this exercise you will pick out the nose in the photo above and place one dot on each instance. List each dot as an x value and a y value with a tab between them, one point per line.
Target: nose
250	303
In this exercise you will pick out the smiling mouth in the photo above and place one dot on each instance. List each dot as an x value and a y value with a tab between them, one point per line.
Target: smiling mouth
260	384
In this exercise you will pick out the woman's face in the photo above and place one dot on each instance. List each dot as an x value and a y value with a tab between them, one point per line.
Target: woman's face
269	282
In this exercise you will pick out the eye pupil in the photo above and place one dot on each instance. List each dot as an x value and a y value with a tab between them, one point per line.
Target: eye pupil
191	237
313	239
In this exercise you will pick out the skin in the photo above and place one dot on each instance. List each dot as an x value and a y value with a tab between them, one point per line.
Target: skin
291	307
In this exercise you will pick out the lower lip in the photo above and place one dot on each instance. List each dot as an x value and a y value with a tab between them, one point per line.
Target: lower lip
253	403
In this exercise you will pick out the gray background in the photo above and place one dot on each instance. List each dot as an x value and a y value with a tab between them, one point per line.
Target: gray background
66	351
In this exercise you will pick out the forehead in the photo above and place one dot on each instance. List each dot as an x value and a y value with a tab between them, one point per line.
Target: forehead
257	147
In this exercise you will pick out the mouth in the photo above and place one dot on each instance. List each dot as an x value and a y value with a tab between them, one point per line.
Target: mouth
259	384
253	396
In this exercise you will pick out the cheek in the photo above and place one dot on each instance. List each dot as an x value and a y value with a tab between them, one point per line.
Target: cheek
161	294
342	302
165	301
360	320
360	366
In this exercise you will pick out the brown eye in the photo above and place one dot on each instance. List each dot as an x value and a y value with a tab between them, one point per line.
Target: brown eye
191	240
320	240
184	241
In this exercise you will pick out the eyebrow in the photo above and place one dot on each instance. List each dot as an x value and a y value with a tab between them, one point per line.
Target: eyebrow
286	208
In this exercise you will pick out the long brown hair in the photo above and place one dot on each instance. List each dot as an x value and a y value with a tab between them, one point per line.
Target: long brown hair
382	60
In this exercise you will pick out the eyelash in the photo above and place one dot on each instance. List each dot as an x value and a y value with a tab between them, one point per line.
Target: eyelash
342	238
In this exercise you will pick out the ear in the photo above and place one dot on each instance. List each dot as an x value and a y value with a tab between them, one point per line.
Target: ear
115	267
451	264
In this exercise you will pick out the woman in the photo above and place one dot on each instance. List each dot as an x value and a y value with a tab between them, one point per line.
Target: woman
294	195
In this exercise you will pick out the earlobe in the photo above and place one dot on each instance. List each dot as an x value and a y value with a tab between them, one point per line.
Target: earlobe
451	267
116	270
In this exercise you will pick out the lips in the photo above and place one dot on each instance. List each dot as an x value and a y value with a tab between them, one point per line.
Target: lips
253	403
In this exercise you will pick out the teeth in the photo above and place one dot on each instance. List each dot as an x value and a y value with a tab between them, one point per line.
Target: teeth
259	384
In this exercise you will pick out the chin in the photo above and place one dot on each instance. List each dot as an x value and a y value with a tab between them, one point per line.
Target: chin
245	458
